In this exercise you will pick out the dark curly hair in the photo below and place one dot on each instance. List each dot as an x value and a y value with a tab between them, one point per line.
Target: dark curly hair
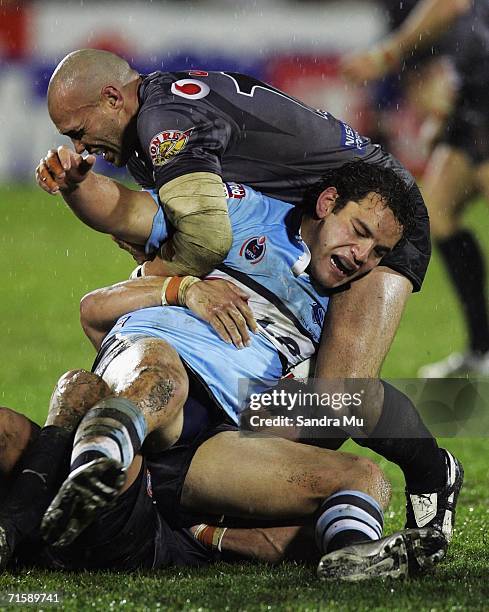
353	181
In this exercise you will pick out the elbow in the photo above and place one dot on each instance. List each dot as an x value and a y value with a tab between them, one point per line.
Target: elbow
218	249
202	253
88	312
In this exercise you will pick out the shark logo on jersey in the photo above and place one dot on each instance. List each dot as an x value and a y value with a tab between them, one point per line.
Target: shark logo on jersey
254	249
165	145
350	138
317	314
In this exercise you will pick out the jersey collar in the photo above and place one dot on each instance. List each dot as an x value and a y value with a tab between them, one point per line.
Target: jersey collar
293	223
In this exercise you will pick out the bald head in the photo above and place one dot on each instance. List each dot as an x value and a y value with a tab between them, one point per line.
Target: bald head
82	75
93	99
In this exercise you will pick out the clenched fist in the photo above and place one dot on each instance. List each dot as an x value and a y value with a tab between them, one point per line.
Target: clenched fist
62	170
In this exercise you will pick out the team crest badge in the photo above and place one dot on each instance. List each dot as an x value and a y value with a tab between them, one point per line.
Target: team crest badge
254	249
165	145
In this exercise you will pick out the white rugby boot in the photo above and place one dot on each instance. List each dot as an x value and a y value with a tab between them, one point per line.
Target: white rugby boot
436	509
457	365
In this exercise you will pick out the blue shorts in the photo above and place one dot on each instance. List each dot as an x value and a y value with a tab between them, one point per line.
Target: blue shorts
231	375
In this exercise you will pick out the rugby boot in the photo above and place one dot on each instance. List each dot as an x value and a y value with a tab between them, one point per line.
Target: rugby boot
436	509
87	492
457	365
401	555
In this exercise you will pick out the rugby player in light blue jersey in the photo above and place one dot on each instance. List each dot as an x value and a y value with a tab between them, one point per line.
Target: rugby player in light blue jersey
286	259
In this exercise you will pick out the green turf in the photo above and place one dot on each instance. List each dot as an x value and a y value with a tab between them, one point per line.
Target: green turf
49	261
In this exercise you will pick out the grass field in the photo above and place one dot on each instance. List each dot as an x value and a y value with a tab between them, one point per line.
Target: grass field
49	261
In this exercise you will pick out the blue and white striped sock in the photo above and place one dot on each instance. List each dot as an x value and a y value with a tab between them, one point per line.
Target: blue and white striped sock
113	428
348	517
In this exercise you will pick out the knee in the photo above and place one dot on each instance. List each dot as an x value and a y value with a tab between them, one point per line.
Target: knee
11	423
375	481
15	433
75	393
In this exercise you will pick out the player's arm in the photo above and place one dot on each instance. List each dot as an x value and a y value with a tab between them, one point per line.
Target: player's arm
187	175
360	325
427	20
102	203
196	206
268	545
218	302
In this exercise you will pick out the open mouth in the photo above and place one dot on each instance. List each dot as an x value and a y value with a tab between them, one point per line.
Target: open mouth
343	265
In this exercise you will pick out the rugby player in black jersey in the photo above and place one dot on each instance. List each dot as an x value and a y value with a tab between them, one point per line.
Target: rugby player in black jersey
458	167
180	134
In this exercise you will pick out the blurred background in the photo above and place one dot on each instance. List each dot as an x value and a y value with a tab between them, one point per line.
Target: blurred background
49	259
295	45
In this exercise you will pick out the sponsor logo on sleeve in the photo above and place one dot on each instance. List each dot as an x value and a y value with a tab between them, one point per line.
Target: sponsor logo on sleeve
350	138
190	89
235	191
253	249
165	145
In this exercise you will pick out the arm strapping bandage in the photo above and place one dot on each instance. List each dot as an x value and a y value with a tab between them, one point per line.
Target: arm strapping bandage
196	206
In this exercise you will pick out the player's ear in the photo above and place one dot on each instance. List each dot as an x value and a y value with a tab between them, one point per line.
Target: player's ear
326	202
112	96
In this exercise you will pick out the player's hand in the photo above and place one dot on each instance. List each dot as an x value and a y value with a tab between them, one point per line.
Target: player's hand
62	170
369	65
225	307
136	250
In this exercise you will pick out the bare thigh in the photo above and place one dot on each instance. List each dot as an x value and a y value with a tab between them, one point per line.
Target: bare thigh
273	478
447	184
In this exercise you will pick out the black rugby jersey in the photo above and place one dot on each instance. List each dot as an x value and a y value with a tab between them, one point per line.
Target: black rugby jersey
249	132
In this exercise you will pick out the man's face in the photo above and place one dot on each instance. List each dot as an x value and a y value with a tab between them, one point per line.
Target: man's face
95	128
350	242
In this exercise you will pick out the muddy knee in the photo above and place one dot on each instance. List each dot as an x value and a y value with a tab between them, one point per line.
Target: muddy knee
75	393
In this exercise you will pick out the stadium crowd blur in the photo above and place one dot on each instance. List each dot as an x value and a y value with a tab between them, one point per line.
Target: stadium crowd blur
390	111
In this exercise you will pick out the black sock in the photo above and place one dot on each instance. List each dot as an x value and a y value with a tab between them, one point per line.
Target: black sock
40	473
465	264
417	454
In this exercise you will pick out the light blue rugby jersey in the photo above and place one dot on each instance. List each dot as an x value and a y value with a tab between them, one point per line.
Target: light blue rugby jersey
268	260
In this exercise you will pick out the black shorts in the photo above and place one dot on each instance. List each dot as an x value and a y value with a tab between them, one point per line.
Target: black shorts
467	128
130	535
168	472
